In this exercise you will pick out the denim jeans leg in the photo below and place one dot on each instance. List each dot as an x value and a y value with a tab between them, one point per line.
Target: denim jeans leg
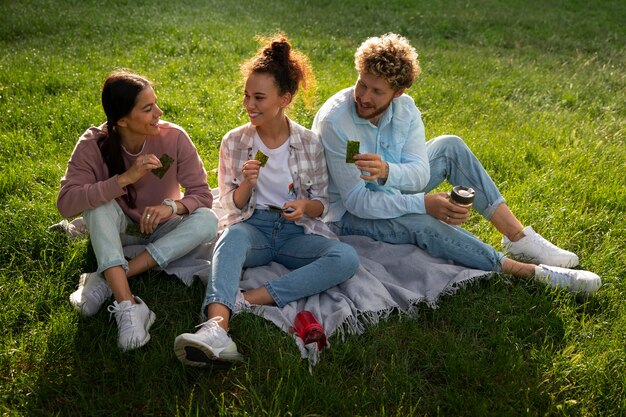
450	159
241	245
316	264
439	239
181	235
105	224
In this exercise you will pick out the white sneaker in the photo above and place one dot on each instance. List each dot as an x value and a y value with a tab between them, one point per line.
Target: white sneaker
535	249
92	292
241	304
75	228
133	323
571	279
209	345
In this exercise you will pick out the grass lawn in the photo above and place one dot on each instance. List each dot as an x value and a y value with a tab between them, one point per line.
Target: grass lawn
535	88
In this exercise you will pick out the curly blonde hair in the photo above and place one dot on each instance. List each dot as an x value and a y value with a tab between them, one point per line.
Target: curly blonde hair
389	56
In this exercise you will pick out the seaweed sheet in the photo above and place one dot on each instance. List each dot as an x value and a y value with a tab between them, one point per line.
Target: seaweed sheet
166	161
352	148
261	157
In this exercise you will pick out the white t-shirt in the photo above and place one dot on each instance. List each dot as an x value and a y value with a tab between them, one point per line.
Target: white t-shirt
275	184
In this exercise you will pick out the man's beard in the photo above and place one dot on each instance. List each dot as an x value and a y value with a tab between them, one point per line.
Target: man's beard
370	116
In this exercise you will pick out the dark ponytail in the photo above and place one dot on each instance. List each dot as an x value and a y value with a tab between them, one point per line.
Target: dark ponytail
119	96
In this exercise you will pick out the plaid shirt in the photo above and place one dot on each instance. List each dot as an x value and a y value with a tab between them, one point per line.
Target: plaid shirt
306	164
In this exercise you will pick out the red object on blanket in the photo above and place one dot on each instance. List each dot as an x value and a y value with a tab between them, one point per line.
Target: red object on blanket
308	328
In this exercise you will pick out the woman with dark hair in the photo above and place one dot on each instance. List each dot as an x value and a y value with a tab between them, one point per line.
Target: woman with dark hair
125	177
274	203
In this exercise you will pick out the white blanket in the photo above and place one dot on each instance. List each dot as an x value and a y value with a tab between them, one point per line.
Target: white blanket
391	277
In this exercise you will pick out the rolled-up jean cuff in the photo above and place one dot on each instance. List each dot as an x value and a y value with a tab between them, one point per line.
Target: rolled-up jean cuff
277	300
123	263
158	258
492	208
501	258
214	300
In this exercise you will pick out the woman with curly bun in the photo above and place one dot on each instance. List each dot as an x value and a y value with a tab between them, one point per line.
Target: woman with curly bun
273	184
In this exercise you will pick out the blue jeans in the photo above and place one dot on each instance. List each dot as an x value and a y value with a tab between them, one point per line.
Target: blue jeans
450	159
169	241
317	263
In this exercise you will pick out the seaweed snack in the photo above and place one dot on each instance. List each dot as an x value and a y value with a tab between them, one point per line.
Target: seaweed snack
352	148
261	157
166	161
276	209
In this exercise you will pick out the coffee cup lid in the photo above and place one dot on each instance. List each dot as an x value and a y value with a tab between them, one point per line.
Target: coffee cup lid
462	195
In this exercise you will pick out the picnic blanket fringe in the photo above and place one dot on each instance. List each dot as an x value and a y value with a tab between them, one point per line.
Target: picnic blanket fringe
391	279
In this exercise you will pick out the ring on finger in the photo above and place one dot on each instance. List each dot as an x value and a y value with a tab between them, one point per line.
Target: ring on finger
148	216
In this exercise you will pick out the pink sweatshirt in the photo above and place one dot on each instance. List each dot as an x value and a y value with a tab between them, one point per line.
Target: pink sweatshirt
87	185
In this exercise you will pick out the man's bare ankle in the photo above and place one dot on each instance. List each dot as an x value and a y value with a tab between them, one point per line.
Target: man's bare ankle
516	236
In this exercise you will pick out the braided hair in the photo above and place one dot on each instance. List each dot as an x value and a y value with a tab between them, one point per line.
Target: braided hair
119	96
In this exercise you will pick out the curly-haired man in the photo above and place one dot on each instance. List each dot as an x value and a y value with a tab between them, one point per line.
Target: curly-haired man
386	194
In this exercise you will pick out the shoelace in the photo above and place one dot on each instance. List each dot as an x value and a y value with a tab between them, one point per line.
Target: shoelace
211	327
544	242
211	330
125	320
211	323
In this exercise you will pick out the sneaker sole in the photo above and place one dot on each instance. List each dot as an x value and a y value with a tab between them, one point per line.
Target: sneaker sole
193	353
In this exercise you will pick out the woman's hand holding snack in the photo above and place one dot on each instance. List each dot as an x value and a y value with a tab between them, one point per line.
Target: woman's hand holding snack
302	207
250	171
294	210
142	165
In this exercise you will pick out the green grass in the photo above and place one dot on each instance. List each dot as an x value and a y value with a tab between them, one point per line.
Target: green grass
535	89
